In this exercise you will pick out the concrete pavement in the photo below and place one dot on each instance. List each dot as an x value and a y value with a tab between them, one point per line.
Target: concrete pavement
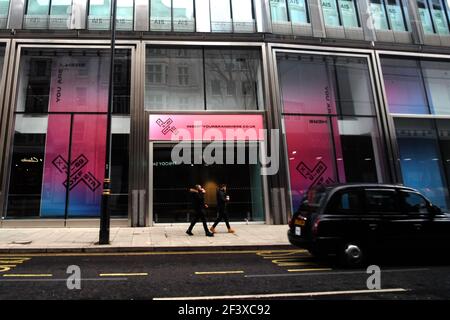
173	237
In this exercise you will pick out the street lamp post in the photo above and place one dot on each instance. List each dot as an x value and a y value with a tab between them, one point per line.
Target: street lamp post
105	216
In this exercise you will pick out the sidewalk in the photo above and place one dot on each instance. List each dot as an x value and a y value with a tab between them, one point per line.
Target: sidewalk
159	238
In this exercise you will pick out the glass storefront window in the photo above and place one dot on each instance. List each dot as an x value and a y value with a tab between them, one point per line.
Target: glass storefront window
4	9
183	78
171	182
221	16
99	14
57	166
421	158
329	85
404	87
417	86
162	89
242	68
436	75
329	118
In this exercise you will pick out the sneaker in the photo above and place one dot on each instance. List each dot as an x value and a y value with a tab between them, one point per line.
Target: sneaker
189	232
231	231
213	230
210	234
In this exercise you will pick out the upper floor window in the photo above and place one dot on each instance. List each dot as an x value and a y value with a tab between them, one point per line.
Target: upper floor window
295	11
168	15
100	14
4	8
387	15
340	13
434	17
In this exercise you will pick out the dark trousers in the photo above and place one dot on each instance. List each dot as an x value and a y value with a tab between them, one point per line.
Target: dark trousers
199	215
222	216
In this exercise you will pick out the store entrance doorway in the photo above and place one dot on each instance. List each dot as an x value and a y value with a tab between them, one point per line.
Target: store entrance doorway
170	182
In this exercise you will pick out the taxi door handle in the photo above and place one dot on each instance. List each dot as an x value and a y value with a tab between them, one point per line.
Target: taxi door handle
373	226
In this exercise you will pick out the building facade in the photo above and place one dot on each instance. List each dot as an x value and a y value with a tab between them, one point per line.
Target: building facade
347	91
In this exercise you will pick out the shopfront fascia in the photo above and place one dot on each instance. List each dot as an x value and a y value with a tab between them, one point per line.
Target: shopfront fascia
57	90
333	126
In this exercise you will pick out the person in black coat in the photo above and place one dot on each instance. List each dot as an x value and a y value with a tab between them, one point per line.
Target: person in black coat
199	206
222	199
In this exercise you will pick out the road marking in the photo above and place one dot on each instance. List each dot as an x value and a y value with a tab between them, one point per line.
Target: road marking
219	272
288	295
105	254
28	275
328	273
123	274
8	263
309	270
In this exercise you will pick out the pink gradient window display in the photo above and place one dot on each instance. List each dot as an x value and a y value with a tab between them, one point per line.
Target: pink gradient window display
328	112
78	84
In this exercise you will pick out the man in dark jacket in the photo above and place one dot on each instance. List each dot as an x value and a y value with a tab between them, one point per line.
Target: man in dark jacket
222	200
199	206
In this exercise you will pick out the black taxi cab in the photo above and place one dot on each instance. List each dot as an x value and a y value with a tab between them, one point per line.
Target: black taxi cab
351	220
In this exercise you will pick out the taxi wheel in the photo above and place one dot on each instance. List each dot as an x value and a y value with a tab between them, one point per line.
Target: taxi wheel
351	254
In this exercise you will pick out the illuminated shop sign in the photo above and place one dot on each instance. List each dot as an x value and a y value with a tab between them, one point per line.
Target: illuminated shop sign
188	127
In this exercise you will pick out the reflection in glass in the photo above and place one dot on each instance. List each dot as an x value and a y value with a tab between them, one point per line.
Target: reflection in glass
242	68
161	15
421	159
4	9
220	16
325	85
436	76
61	106
183	15
164	68
379	17
60	14
439	17
36	15
298	11
330	13
278	11
349	14
395	15
443	127
175	79
99	14
425	17
404	86
171	182
243	15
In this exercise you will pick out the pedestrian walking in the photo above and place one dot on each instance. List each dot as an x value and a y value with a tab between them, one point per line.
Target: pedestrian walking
222	199
199	206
